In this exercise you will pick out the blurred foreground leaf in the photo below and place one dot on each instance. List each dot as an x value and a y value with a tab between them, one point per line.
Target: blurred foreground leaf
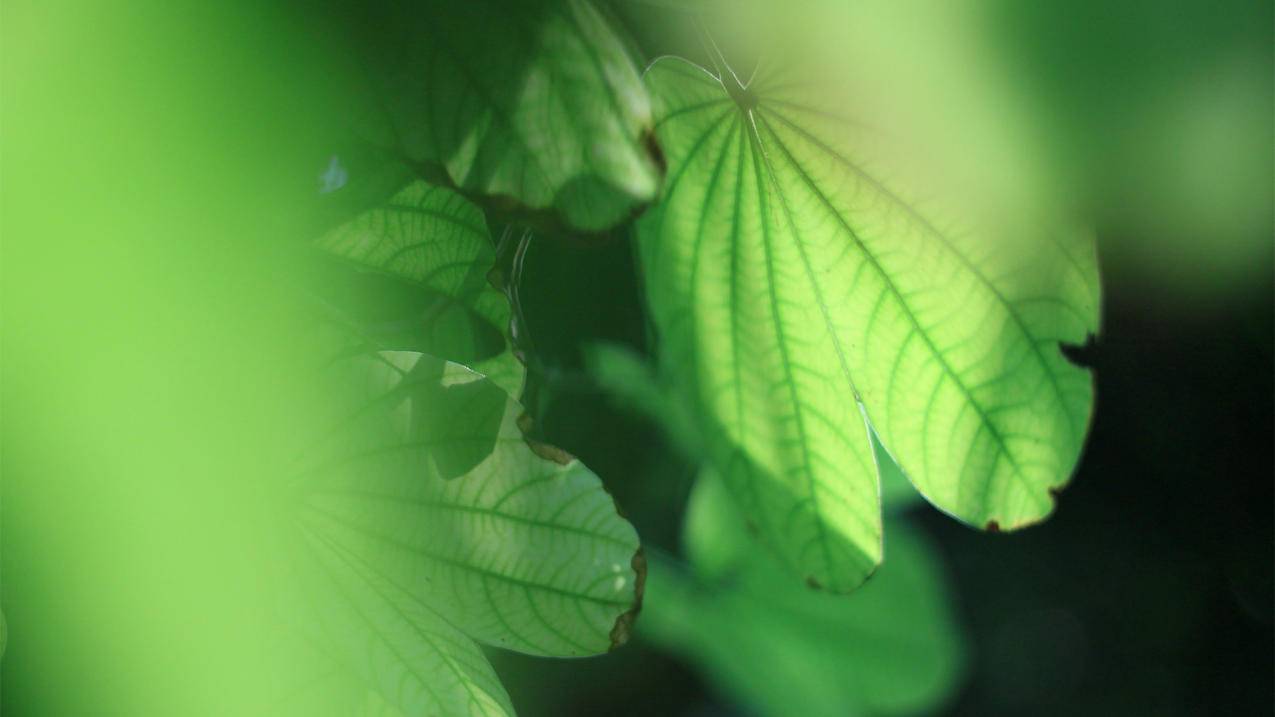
781	648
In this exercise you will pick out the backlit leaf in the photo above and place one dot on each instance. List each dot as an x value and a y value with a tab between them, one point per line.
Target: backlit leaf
408	564
529	105
437	240
800	296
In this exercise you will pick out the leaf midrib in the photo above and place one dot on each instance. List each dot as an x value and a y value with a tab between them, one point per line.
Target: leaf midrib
929	228
984	420
426	638
478	510
821	530
463	566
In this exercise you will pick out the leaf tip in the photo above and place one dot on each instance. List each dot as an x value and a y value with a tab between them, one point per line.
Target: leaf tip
1083	354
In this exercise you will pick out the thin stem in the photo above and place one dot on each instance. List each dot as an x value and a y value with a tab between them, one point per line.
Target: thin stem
736	88
522	336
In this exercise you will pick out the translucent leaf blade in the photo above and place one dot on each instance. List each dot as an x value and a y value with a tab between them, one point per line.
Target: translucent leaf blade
521	551
744	332
793	283
533	106
951	323
435	238
391	654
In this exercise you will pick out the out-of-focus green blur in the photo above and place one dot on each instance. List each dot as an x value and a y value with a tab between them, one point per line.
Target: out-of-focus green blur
147	152
1160	113
155	160
1152	120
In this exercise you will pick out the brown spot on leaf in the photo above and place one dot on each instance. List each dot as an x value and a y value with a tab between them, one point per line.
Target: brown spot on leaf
546	451
526	423
992	527
623	628
550	453
497	279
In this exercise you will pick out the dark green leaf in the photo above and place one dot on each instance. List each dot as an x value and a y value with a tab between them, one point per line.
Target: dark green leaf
533	106
781	648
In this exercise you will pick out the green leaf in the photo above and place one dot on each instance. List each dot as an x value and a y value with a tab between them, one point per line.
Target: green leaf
897	494
798	296
633	382
387	652
892	647
531	105
410	565
437	240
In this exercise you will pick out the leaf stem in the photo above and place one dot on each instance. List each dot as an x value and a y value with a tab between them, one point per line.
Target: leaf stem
734	87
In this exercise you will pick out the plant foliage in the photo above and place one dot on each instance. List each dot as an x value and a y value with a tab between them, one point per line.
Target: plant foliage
826	330
793	286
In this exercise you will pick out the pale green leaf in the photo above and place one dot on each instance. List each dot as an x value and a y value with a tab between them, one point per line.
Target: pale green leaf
428	526
798	295
897	493
389	653
530	105
435	238
892	647
630	379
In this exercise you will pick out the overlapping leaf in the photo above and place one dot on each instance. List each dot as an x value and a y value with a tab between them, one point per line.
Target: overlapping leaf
439	241
420	541
799	295
531	105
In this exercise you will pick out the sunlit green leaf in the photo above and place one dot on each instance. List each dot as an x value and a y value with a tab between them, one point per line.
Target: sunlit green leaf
437	240
781	648
629	378
410	563
387	651
530	105
799	295
897	493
